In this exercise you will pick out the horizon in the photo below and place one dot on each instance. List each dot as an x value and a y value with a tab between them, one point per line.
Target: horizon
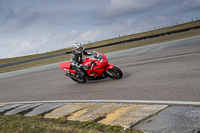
33	27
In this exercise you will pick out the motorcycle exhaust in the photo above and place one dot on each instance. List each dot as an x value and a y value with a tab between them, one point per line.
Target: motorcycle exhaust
71	76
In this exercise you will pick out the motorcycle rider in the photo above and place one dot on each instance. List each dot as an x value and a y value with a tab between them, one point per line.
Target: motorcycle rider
76	58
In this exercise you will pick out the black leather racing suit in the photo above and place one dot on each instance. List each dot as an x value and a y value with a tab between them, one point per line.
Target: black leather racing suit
76	59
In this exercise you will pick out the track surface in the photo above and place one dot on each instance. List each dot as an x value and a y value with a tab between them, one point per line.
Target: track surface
167	71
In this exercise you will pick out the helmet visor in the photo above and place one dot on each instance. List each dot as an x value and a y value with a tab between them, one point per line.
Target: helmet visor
79	49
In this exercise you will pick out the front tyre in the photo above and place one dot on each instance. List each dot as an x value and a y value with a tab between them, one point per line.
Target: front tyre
115	73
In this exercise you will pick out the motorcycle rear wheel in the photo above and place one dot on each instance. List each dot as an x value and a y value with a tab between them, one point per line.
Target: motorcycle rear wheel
116	73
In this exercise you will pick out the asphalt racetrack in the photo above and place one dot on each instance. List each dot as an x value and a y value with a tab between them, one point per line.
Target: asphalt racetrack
166	71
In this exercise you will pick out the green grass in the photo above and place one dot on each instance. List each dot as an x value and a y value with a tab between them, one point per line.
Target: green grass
107	49
37	124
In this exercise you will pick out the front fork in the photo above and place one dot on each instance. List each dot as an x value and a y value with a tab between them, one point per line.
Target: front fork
109	66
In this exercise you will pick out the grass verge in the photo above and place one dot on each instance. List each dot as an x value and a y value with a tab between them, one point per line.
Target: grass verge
37	124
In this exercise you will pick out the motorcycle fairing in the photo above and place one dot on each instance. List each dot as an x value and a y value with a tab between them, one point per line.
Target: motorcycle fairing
109	66
66	67
96	70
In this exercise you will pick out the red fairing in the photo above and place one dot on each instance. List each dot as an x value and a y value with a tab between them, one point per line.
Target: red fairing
66	67
96	70
99	69
109	66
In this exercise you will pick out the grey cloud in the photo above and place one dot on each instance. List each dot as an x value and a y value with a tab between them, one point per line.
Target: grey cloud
13	19
186	6
118	8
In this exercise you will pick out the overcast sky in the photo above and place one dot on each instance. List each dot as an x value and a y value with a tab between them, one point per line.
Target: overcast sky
31	26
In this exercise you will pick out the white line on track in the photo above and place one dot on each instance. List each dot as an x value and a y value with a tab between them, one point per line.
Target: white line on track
114	101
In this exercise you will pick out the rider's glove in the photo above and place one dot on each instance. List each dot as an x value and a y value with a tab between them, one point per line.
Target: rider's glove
95	54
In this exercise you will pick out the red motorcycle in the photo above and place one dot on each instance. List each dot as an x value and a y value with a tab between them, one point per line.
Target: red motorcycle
98	68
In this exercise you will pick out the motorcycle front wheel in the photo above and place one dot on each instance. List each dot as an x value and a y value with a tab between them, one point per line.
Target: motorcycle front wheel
115	73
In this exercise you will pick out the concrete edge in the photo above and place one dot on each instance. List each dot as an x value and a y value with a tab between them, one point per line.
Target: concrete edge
185	103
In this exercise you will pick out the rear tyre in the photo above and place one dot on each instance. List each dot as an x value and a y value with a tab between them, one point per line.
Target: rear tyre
115	73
